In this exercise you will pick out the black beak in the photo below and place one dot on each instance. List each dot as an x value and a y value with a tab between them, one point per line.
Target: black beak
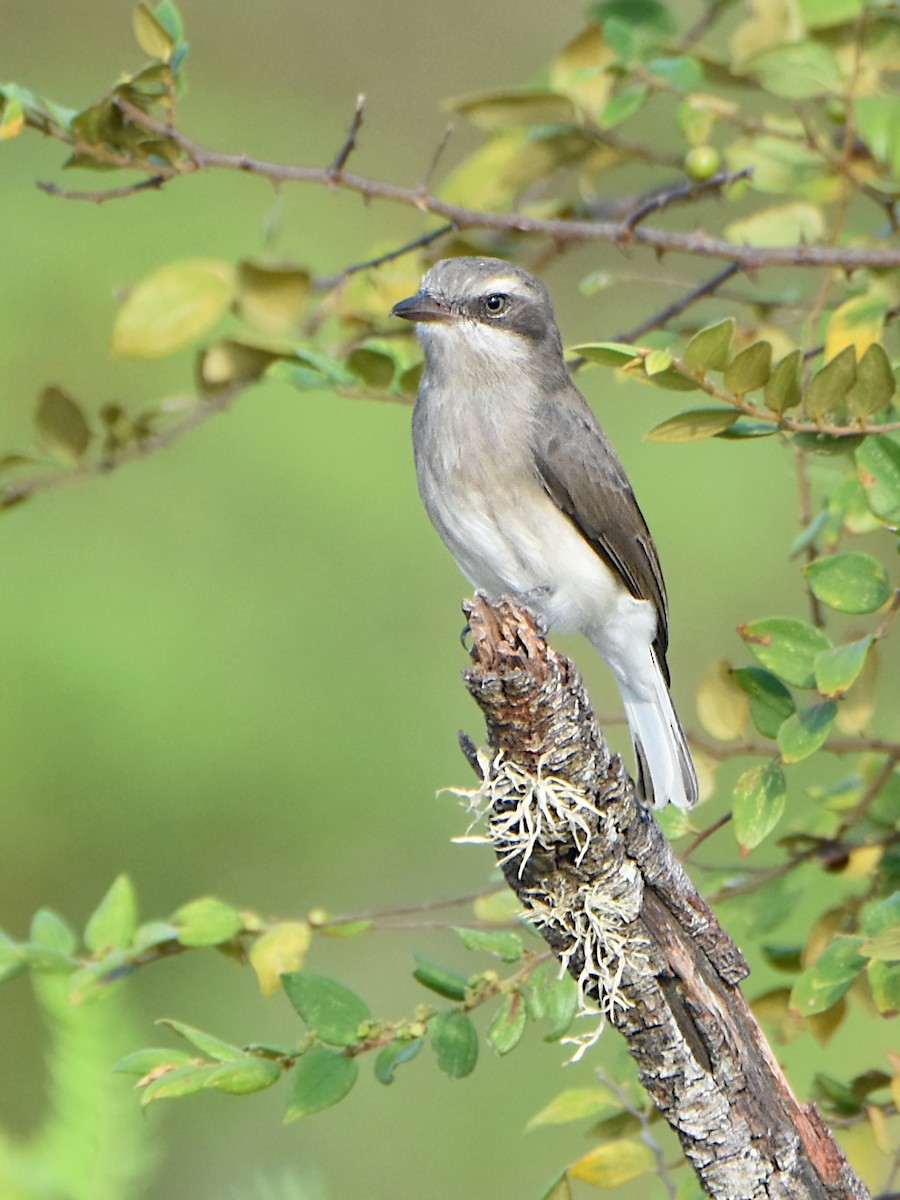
423	306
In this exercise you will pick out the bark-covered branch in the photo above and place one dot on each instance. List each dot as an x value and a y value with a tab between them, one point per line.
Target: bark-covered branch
562	231
591	864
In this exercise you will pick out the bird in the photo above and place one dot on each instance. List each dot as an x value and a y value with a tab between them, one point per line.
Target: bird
526	491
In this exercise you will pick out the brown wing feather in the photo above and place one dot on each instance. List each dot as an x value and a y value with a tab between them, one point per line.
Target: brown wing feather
583	476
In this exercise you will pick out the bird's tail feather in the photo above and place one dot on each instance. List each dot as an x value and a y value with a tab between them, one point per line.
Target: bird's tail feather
666	771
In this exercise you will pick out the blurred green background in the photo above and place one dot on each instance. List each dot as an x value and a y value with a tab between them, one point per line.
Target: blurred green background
235	667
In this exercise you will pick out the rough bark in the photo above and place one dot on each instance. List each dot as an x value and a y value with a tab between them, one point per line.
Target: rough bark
612	900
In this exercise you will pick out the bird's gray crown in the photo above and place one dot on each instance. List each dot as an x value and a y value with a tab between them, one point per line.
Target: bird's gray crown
493	292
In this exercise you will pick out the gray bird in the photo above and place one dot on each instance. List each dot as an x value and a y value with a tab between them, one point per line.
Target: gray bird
521	483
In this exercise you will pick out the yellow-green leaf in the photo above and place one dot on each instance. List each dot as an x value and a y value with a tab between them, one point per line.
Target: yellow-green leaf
613	1163
875	383
233	361
279	950
781	225
723	706
519	106
271	298
838	669
61	426
757	804
173	307
805	730
827	389
113	923
574	1104
710	348
609	354
749	370
848	582
783	390
693	425
152	37
858	322
657	361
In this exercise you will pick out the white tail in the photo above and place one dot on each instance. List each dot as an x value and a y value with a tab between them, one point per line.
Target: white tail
666	772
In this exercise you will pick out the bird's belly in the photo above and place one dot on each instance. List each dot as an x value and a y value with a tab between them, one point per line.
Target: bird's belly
519	544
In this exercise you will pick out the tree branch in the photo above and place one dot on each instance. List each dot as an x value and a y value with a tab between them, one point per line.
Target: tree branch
592	866
562	231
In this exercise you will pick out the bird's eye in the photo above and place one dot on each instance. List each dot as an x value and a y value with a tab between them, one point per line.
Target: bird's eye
496	306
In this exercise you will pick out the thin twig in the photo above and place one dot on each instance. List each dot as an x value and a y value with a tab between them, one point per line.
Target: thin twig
337	167
435	159
151	183
662	316
680	193
703	835
331	281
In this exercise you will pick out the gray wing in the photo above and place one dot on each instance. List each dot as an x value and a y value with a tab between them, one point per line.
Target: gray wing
583	476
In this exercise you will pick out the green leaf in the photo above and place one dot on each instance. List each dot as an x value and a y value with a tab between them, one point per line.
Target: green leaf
391	1056
61	426
681	71
180	1081
206	1043
506	1029
770	701
749	370
693	425
875	383
884	946
884	982
827	389
321	1078
832	974
613	1163
455	1042
757	804
207	921
152	37
271	298
622	105
657	361
878	468
173	307
783	391
50	932
331	1010
608	354
281	949
560	1003
166	12
574	1104
502	942
311	370
250	1074
787	647
143	1062
797	71
442	980
838	669
522	106
710	348
12	958
878	124
850	583
883	914
113	923
802	734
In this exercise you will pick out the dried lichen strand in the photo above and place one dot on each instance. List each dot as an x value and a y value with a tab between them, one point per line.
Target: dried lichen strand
628	924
